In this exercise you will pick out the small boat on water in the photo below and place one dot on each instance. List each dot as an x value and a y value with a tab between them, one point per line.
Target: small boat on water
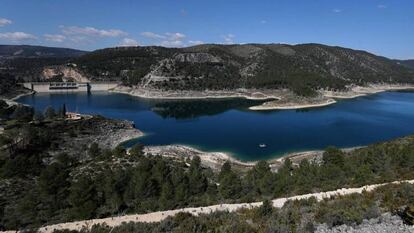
262	145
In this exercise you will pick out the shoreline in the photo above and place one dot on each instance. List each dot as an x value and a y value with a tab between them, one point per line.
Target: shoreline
263	107
215	160
193	95
279	99
12	101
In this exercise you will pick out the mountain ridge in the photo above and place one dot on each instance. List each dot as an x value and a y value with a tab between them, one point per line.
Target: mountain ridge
35	51
302	68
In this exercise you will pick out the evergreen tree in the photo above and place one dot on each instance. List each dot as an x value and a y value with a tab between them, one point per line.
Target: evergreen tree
94	150
50	113
23	113
266	208
38	116
83	198
197	180
137	150
333	156
230	183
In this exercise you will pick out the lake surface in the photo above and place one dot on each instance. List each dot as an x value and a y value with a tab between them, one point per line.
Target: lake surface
227	125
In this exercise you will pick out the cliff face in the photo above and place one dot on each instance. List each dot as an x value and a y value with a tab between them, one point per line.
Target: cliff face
65	73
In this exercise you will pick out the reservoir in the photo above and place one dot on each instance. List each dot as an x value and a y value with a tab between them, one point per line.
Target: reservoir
227	125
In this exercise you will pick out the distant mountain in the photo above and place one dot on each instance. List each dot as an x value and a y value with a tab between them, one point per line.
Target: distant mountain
407	63
28	51
302	68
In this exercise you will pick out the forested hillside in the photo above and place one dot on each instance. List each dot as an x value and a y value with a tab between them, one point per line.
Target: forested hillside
29	51
407	63
21	63
301	68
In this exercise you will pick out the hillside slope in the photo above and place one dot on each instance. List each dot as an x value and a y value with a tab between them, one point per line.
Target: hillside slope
407	63
20	63
28	51
301	68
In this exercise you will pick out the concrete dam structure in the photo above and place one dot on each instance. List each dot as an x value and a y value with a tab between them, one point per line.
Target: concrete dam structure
69	86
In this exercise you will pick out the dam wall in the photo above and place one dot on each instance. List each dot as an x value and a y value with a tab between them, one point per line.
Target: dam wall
69	86
104	86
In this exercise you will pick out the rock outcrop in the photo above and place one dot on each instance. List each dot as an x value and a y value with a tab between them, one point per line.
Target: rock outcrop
65	73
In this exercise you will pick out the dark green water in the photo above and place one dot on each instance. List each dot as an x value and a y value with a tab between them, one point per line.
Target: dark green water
227	125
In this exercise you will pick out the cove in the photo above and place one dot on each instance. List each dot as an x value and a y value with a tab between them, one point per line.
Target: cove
227	125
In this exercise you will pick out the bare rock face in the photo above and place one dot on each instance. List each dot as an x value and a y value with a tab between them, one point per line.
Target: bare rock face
65	73
197	58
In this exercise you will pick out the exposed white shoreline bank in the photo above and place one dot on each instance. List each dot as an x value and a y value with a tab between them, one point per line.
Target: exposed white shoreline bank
287	107
278	99
12	101
215	160
188	95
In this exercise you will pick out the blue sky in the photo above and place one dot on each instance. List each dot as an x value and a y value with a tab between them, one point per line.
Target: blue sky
381	27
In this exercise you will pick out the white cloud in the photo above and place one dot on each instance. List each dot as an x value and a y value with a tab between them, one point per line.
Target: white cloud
152	35
54	37
128	42
175	36
263	21
381	6
195	42
337	10
168	39
17	36
229	38
4	22
91	31
172	43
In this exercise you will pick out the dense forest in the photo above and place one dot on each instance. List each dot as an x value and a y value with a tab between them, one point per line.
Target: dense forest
41	185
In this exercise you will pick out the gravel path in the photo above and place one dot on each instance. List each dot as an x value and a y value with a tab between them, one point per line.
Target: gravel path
161	215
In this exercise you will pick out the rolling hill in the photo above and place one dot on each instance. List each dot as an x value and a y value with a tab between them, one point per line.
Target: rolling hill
28	51
302	68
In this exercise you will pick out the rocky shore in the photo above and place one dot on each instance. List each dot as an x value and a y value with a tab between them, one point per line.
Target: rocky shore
116	132
279	99
76	136
149	93
215	160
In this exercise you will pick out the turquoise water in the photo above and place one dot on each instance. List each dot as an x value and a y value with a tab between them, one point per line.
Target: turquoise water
227	125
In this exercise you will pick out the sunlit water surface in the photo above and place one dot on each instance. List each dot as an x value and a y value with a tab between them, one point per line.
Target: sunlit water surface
227	124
